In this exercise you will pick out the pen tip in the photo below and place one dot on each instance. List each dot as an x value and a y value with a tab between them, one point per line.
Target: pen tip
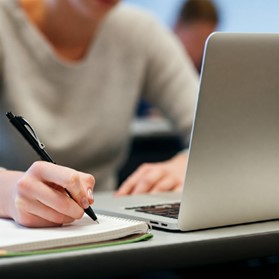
97	221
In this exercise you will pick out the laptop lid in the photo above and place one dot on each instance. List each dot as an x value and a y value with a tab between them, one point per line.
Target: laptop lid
233	168
232	174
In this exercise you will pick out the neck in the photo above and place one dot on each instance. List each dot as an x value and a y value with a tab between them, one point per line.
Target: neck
66	29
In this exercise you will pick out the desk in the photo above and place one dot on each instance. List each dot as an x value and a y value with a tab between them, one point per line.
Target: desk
166	251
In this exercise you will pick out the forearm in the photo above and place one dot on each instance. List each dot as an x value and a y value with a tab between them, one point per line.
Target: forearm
8	180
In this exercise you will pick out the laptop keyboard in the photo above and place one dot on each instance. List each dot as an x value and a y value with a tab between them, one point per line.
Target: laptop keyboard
170	210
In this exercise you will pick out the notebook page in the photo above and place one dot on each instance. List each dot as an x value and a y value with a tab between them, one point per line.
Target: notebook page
14	237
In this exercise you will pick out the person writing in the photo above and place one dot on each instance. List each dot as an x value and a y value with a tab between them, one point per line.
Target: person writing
76	70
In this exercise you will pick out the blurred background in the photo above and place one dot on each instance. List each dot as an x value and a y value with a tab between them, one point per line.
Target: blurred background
235	15
154	138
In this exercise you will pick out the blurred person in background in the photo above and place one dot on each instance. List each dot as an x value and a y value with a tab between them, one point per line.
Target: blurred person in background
196	20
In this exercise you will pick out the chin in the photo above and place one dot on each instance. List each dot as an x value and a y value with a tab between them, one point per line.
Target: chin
108	2
100	7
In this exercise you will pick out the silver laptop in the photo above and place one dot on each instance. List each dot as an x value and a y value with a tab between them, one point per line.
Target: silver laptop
232	175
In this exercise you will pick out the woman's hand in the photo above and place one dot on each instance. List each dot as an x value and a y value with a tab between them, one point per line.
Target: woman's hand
156	177
38	197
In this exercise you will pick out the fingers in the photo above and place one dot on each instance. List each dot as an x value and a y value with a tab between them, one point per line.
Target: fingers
166	184
148	181
150	178
157	177
130	183
36	214
79	185
88	182
35	200
41	193
41	198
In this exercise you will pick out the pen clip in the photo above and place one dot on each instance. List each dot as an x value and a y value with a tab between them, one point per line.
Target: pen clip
30	135
31	131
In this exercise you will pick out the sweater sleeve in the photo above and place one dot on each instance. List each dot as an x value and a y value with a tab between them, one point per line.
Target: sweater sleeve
171	80
1	67
1	81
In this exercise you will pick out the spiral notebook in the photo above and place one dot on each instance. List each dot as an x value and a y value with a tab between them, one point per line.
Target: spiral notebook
16	239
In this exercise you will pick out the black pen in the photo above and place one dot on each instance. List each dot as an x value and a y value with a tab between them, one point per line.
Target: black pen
29	134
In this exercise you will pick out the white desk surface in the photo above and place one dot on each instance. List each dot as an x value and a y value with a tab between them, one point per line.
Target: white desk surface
165	250
152	127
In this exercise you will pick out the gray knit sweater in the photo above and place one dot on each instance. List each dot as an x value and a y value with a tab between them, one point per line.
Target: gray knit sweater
82	111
